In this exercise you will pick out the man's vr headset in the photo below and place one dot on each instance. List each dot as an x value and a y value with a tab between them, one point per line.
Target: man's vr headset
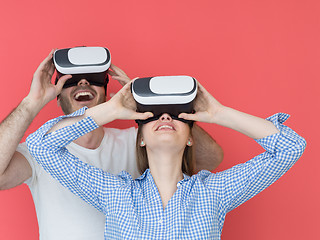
90	63
166	94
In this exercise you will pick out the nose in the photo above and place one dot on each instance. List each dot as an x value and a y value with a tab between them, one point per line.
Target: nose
165	117
83	82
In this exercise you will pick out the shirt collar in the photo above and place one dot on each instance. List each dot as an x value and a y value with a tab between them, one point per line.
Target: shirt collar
185	178
147	172
144	175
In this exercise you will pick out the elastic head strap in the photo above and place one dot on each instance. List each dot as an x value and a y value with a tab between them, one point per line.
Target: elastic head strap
155	118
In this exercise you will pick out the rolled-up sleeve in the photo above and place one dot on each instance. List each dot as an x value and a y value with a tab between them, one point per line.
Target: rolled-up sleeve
241	182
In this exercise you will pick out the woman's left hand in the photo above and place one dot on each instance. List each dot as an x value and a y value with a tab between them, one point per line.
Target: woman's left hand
206	107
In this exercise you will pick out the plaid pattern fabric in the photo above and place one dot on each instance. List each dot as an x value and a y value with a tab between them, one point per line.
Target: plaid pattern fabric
133	208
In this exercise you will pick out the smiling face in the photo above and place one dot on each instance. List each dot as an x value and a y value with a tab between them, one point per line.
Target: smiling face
84	94
165	134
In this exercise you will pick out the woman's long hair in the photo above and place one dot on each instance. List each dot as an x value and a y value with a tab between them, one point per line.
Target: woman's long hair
142	157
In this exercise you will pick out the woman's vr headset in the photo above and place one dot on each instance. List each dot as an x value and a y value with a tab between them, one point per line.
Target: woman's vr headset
166	94
90	63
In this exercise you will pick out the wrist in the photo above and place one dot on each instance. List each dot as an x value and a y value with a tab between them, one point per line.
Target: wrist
219	117
31	106
102	113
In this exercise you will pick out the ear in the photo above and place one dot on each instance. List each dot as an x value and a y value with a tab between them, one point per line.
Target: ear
142	143
190	142
58	101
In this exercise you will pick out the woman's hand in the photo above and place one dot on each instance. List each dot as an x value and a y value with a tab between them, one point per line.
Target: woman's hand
125	105
206	106
120	106
209	110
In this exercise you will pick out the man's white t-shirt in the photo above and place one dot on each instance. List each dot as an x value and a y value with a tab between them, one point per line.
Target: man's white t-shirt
62	215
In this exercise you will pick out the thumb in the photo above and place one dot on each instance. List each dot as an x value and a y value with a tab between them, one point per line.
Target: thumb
142	116
61	82
189	116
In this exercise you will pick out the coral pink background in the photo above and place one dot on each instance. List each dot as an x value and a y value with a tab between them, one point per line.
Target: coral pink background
259	57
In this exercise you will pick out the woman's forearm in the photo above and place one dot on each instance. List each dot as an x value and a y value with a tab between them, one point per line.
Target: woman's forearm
247	124
101	114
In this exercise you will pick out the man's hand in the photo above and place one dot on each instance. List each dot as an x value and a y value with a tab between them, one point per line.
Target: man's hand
42	90
14	167
118	74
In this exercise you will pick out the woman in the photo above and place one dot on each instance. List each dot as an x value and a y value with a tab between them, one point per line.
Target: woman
165	202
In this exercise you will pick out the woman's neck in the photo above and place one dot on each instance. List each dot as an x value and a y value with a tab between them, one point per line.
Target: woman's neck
165	168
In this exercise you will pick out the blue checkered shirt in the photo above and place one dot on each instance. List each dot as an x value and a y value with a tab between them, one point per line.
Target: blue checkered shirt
133	208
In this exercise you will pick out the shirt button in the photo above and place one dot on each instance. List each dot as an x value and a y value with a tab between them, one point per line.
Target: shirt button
160	220
178	184
77	124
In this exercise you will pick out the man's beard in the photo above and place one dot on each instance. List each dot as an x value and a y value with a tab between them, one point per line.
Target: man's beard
66	105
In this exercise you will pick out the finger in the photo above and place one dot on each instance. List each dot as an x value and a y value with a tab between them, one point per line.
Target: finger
188	116
51	68
123	91
117	70
142	116
50	56
121	79
127	87
116	77
61	82
201	89
114	68
44	64
111	73
51	53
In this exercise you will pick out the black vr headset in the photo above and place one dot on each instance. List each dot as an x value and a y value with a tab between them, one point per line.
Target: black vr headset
166	94
90	63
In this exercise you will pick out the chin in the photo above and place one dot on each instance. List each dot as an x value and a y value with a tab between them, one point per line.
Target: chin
88	104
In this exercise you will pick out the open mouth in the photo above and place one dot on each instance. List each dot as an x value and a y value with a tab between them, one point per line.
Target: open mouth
165	127
83	96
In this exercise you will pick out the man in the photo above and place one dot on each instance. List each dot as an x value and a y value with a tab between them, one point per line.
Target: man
62	215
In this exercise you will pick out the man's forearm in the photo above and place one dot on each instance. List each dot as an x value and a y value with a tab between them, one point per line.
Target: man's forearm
208	153
12	129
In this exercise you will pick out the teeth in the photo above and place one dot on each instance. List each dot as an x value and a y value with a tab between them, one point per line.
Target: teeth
80	94
165	126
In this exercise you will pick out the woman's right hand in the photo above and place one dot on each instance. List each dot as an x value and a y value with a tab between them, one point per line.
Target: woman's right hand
120	106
